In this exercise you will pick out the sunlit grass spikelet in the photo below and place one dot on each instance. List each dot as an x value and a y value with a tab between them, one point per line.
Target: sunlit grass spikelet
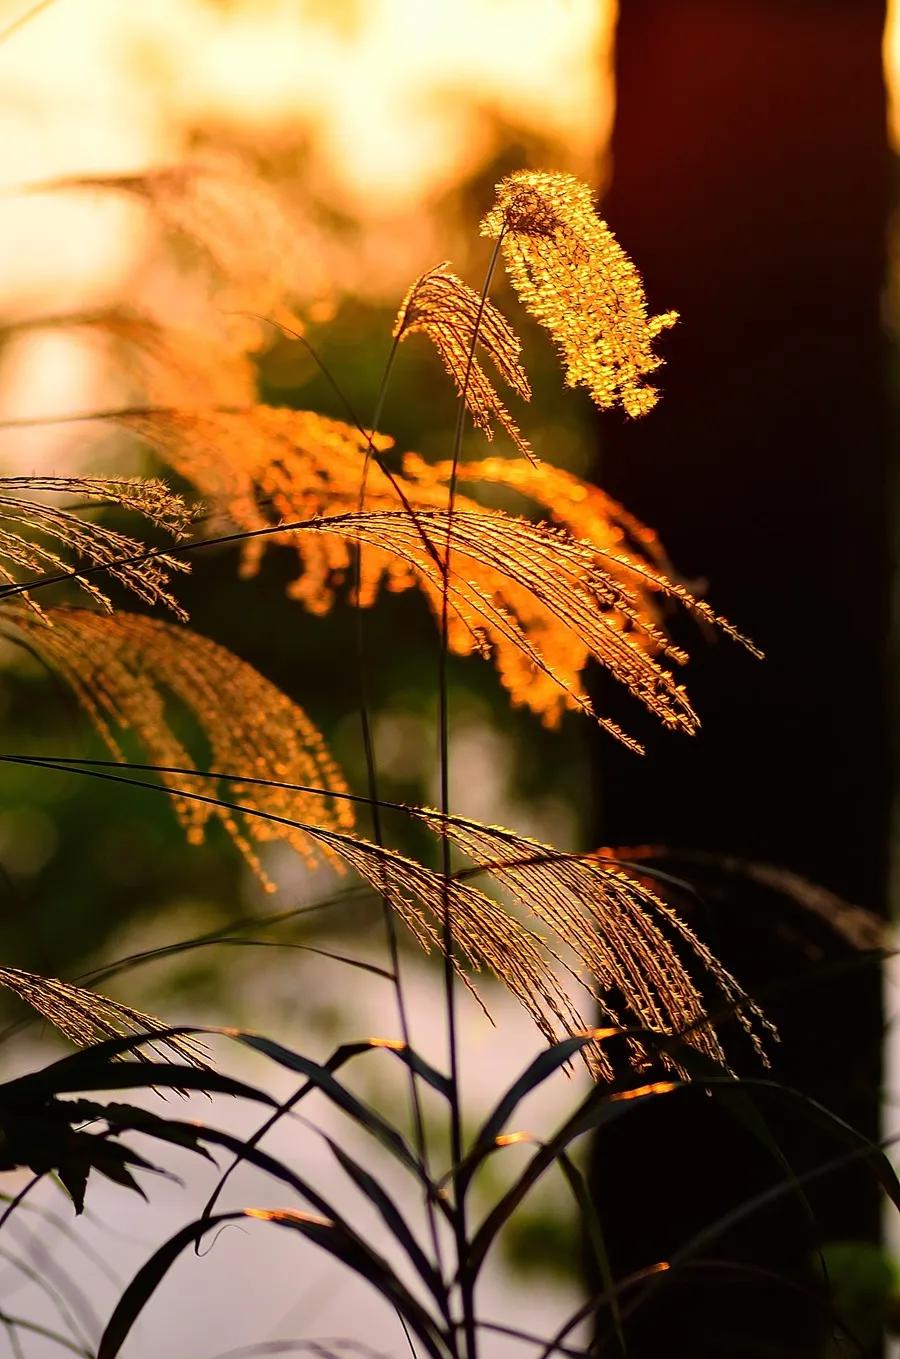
447	310
632	944
578	505
538	600
632	952
487	937
39	538
127	670
629	550
271	464
87	1017
505	568
573	277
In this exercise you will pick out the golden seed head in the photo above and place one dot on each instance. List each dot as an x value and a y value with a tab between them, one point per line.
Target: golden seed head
443	307
127	670
572	276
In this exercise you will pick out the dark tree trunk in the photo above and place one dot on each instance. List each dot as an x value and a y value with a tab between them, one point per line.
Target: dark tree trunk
750	186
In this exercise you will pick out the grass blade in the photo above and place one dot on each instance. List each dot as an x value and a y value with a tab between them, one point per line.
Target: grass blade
328	1235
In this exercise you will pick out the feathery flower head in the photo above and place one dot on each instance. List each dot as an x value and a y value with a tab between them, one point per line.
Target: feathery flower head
539	600
37	538
87	1017
572	276
449	312
129	671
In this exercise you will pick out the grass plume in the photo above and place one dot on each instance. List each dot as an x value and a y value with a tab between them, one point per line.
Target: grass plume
128	670
572	276
443	307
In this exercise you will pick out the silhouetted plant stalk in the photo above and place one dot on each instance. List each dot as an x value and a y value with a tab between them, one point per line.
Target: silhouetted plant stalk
418	1116
467	1284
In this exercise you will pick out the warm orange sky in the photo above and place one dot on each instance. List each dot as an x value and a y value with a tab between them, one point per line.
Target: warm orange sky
389	96
389	92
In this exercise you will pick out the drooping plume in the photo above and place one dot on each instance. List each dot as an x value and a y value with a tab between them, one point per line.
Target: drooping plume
517	588
269	465
38	539
487	936
631	944
573	277
623	946
88	1017
538	600
128	671
448	311
577	505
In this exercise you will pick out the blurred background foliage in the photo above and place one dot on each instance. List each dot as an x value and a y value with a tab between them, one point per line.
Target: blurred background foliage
89	872
376	132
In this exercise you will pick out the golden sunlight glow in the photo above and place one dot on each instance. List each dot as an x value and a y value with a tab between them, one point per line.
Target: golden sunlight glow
396	90
392	97
891	54
377	109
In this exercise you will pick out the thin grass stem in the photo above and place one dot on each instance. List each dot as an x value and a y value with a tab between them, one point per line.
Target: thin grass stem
390	924
24	19
456	1140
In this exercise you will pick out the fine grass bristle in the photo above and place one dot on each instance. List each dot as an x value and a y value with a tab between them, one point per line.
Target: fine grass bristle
443	307
87	1017
39	538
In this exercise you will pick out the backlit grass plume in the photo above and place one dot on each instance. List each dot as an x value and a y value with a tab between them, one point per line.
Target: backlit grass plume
633	946
579	506
39	538
542	589
539	601
487	936
518	590
133	673
628	949
632	952
86	1017
450	313
268	465
573	277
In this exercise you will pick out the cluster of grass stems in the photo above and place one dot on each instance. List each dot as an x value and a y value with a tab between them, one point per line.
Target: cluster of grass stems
52	1122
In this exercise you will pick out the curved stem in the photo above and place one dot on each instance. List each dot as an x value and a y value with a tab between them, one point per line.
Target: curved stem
466	1282
390	923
